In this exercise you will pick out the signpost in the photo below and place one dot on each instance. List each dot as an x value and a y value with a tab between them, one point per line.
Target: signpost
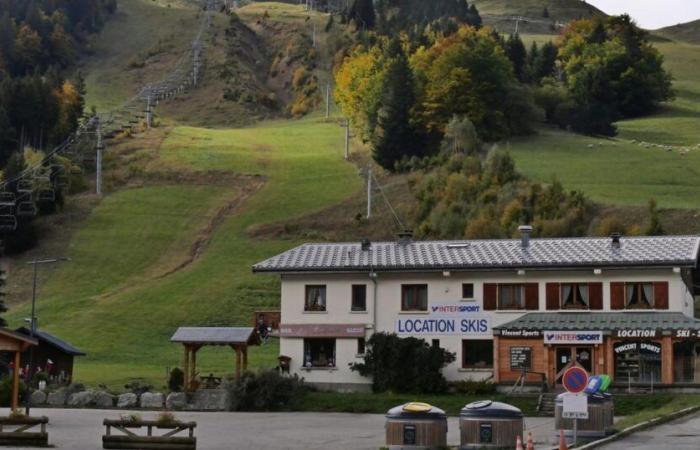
575	405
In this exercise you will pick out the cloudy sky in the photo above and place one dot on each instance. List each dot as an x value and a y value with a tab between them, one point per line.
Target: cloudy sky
652	14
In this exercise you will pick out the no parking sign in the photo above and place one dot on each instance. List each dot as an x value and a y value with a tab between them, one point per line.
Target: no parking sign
575	379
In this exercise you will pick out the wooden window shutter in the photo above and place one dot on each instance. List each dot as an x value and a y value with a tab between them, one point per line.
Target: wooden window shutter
661	295
553	292
532	296
617	295
490	296
595	295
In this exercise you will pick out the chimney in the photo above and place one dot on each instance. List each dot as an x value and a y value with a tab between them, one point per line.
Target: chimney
525	231
615	240
365	245
405	237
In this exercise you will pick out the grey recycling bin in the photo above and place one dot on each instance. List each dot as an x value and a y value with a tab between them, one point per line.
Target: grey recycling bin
490	425
601	413
416	426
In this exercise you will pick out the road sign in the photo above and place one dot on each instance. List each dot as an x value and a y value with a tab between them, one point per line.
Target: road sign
575	379
575	406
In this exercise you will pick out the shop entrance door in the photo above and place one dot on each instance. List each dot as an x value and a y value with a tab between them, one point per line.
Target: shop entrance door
563	358
584	358
569	356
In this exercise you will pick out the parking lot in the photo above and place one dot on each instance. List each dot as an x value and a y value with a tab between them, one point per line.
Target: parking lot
81	429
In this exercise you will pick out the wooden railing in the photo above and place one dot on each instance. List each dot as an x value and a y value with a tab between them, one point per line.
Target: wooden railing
128	439
17	431
520	382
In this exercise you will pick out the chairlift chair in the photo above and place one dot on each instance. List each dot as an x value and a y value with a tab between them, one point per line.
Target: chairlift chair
26	209
8	222
7	198
7	209
25	186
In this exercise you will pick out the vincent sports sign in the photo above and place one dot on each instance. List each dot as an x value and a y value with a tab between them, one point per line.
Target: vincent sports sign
473	325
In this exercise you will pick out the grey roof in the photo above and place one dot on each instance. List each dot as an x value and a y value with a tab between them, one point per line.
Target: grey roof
602	321
53	341
668	251
213	335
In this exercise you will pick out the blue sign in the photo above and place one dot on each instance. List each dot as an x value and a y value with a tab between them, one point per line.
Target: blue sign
472	325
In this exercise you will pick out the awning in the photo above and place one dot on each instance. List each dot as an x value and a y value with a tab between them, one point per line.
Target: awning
322	330
628	324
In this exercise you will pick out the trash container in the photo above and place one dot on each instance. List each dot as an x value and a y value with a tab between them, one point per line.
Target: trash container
490	425
601	414
416	426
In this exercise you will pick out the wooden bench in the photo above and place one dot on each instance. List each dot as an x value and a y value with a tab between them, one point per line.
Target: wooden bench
15	431
131	440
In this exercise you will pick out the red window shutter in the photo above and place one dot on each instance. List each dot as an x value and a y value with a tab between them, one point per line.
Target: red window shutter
617	295
595	295
490	296
661	295
553	290
532	296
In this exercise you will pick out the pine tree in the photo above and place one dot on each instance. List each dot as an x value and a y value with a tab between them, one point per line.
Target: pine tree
363	14
394	136
515	49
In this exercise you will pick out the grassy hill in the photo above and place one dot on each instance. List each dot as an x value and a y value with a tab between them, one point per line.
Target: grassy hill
193	203
500	14
684	32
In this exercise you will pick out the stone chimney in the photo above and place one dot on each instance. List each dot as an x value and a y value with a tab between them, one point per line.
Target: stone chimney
525	232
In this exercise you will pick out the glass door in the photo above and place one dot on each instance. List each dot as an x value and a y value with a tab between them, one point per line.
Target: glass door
563	357
584	358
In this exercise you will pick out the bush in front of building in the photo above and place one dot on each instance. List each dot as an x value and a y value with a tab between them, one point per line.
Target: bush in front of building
471	387
265	391
404	365
6	391
176	380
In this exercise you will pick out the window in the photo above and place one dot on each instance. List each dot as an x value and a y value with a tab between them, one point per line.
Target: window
319	352
511	296
574	296
361	346
637	362
639	295
414	297
477	354
467	290
359	297
315	298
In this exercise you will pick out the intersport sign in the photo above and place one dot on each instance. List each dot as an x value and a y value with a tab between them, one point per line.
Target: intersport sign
573	337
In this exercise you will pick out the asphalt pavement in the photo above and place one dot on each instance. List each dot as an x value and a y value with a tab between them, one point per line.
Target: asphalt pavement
681	434
82	429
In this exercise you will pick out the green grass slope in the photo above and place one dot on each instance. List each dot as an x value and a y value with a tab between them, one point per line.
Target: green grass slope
685	32
500	13
656	156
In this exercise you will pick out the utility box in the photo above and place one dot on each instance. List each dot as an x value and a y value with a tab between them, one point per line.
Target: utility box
601	413
490	425
416	426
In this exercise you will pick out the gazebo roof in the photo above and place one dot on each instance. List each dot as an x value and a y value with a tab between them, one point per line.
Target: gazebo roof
215	335
17	337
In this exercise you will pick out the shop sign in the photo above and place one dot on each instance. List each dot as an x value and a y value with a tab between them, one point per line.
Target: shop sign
575	406
473	325
687	334
573	337
322	330
520	333
520	358
455	308
637	347
636	333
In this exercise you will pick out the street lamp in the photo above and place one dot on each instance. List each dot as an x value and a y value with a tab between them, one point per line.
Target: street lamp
32	324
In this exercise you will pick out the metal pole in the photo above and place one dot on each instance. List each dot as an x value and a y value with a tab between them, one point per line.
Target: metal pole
98	162
148	112
347	139
575	432
369	191
32	330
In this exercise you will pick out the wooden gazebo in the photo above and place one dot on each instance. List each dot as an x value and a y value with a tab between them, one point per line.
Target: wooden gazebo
194	338
16	343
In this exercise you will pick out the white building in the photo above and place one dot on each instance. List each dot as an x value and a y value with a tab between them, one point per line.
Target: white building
463	296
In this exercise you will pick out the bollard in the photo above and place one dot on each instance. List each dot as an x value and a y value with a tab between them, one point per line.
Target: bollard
562	441
518	443
530	442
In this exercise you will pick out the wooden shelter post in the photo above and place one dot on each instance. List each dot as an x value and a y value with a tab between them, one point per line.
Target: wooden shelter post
186	367
245	358
15	383
238	362
193	366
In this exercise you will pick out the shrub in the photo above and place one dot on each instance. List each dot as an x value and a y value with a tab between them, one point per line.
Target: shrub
166	418
404	365
470	387
265	391
138	387
6	391
176	380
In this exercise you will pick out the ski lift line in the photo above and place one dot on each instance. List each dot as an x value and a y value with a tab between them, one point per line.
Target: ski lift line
387	202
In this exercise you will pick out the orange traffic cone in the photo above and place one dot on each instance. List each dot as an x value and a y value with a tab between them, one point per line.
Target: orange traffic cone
519	444
562	441
530	442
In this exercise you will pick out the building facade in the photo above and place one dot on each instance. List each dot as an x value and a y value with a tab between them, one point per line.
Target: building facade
506	308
